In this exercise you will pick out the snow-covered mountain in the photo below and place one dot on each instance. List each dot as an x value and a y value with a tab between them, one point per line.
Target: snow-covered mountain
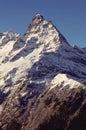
42	80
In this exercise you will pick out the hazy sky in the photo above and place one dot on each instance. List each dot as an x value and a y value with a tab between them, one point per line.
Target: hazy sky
69	16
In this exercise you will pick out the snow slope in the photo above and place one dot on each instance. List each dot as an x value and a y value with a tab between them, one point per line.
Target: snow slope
42	57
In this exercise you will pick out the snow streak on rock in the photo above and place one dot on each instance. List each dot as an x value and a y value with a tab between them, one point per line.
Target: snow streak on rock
38	69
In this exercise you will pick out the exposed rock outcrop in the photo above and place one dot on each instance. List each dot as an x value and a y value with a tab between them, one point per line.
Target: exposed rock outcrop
42	80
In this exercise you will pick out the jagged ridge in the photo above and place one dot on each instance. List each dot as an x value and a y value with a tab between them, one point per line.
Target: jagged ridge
40	76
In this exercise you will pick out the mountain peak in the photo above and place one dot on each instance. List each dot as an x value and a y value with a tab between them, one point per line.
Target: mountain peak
46	32
41	75
39	15
37	19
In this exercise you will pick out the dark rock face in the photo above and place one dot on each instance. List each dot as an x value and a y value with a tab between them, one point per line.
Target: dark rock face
53	113
42	80
60	121
13	125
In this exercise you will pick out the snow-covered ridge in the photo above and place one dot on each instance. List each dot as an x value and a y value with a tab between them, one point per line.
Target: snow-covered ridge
36	69
40	54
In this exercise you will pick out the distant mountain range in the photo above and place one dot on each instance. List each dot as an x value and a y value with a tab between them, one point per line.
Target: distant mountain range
42	80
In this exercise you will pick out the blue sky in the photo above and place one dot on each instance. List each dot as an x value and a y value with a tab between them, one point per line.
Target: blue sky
69	16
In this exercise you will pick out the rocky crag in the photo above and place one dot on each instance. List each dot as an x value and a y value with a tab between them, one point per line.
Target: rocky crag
42	80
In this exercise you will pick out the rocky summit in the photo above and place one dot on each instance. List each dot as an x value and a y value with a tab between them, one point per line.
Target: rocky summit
42	80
